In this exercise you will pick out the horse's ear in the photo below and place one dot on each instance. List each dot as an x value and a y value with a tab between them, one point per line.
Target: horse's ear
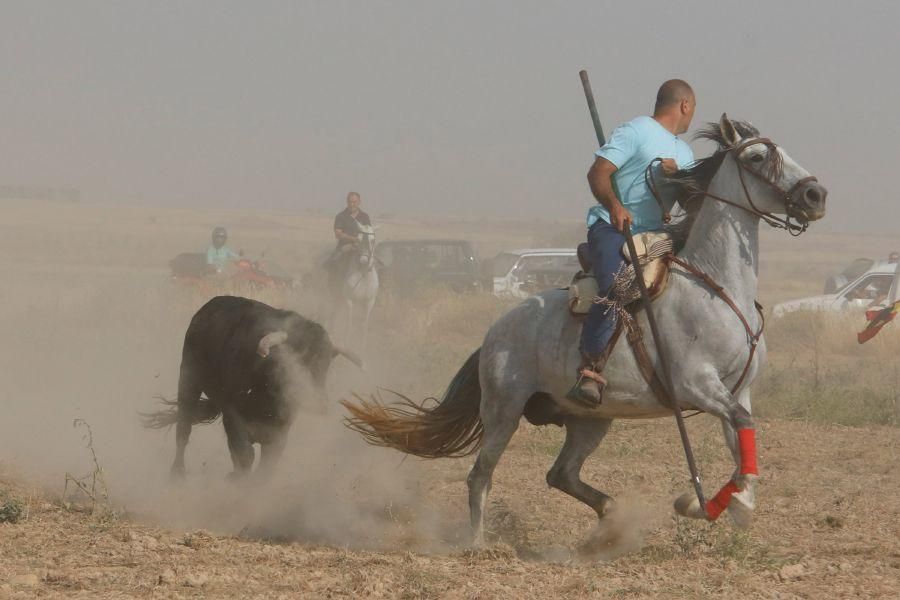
729	133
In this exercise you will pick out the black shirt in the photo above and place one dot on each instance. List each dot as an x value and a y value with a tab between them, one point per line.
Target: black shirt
350	225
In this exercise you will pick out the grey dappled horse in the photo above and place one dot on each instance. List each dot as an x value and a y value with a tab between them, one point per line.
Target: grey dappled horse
358	291
527	360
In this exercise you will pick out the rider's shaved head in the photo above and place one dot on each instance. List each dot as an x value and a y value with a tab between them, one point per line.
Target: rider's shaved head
671	93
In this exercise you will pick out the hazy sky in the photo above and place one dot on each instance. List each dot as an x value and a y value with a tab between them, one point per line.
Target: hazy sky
450	107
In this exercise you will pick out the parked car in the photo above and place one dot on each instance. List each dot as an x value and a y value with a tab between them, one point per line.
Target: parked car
872	288
406	264
522	273
850	273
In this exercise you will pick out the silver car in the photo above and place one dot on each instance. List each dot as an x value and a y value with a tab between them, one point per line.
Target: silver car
876	287
522	273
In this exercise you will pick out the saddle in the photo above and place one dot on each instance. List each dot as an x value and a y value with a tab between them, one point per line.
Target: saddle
656	254
652	248
653	252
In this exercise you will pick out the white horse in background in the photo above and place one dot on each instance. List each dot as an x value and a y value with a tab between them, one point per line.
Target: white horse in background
357	292
525	364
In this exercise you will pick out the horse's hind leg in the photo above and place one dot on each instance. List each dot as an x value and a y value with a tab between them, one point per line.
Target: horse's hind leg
582	438
188	397
497	433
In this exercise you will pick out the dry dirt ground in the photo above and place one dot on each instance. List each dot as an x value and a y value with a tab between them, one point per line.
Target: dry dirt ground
828	522
95	332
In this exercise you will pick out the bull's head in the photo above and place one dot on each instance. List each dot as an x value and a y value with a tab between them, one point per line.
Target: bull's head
315	353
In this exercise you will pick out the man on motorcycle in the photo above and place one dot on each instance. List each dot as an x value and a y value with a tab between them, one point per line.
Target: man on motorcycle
218	255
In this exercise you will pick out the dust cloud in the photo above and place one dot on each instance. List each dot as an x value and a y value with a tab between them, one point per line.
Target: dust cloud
97	342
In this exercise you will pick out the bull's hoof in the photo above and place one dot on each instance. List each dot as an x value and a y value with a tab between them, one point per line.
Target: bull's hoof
687	505
477	541
236	476
176	474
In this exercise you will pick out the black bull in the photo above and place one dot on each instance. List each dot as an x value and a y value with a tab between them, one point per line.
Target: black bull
233	364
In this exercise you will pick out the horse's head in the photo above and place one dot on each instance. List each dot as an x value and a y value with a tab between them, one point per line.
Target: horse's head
771	182
366	246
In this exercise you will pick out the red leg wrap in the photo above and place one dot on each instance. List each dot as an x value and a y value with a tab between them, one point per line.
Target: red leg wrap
720	502
747	444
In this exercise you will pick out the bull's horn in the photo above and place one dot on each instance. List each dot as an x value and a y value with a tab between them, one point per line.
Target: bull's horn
269	340
351	356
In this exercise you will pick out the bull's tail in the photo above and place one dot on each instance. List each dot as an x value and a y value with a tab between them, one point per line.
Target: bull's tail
204	412
452	428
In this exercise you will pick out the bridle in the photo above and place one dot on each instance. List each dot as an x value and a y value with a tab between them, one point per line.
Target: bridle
794	228
370	249
369	254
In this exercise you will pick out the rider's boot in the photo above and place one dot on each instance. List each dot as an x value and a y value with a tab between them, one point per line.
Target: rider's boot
589	386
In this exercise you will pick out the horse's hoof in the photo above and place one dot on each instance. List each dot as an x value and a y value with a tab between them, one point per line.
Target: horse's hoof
687	505
740	509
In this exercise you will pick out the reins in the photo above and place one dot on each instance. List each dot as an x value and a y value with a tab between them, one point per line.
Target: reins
785	223
769	218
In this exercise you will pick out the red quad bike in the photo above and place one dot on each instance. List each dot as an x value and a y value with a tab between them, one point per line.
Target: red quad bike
191	268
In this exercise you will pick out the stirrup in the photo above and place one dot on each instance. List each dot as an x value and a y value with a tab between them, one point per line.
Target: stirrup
576	393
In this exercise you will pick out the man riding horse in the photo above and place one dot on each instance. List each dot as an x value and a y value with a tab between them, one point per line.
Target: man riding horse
617	180
346	231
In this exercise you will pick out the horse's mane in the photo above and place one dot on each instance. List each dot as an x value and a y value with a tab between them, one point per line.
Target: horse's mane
689	185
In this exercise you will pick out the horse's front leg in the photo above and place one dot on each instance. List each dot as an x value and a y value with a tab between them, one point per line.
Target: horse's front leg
367	313
740	435
738	495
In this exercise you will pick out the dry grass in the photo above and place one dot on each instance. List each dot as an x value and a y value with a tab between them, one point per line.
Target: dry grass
818	372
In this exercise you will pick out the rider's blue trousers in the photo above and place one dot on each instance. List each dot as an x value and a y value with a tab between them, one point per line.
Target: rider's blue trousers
605	243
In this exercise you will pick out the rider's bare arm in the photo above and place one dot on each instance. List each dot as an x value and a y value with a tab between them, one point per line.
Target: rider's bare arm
600	180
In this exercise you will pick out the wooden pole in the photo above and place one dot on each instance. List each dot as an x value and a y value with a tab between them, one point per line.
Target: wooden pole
651	318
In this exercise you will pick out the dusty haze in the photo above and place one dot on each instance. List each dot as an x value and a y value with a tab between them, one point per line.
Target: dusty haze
462	108
132	128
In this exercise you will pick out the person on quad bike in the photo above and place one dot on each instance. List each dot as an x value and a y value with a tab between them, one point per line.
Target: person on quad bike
218	255
346	232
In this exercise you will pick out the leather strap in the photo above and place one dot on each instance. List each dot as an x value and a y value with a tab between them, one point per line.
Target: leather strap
635	336
770	219
721	293
636	340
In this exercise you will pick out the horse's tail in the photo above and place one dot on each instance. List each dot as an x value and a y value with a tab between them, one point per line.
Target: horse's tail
204	412
452	428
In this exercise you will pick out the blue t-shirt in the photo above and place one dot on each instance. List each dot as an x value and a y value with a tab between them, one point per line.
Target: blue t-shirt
632	147
220	257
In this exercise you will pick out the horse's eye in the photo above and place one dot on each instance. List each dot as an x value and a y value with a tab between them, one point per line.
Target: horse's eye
757	158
